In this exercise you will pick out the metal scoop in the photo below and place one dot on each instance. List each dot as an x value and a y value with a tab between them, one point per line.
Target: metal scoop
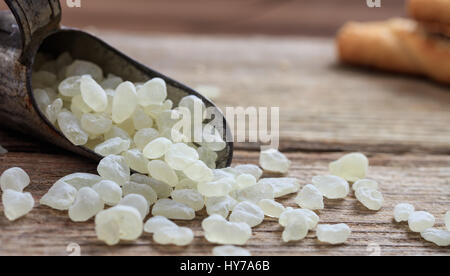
34	26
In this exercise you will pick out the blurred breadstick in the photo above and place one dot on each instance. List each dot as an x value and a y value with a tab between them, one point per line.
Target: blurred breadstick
374	44
397	45
430	10
436	28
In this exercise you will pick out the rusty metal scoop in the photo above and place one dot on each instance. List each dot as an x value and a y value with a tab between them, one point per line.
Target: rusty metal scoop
34	26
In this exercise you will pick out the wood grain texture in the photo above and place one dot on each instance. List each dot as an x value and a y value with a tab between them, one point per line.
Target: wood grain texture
401	123
418	179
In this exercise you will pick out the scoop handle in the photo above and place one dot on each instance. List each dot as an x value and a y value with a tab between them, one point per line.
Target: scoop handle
36	19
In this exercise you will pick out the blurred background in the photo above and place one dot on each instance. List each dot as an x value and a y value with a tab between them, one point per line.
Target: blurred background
271	17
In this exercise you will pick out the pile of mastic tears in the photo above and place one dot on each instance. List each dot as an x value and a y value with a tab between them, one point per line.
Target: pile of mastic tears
131	125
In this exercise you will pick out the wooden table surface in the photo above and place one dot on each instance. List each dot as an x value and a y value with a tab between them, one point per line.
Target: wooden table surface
401	123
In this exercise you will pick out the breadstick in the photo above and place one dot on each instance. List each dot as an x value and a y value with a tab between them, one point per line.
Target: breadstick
430	10
397	45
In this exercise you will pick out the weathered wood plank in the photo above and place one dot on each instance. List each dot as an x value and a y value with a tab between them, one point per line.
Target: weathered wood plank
415	178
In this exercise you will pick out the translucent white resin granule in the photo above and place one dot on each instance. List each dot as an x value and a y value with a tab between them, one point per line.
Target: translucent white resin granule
419	221
95	124
199	172
16	204
128	126
109	191
247	212
370	198
93	94
70	87
71	128
220	205
296	229
447	220
230	251
118	223
87	204
162	189
124	103
274	161
245	180
219	230
153	92
436	236
271	208
60	196
190	198
179	156
193	104
282	186
53	110
186	183
166	120
249	169
402	211
310	198
14	179
116	131
115	168
179	236
333	234
161	171
157	148
136	201
142	189
80	180
158	223
351	167
256	193
79	107
368	183
291	214
173	210
141	120
225	173
136	160
81	67
146	135
331	186
112	146
220	187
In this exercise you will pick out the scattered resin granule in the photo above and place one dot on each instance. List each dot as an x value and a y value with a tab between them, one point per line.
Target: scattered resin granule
420	221
16	204
402	211
14	179
351	167
274	161
333	234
